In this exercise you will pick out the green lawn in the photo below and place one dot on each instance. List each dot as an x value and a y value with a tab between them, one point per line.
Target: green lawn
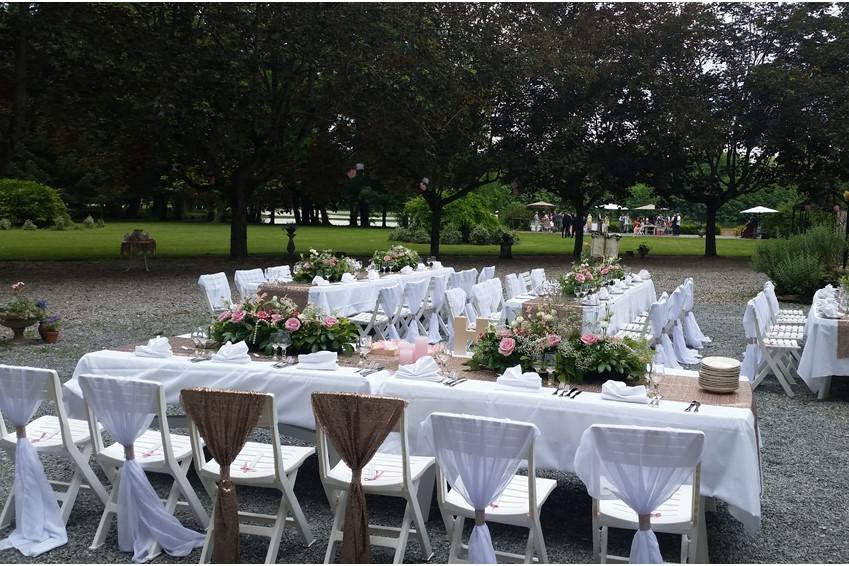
176	239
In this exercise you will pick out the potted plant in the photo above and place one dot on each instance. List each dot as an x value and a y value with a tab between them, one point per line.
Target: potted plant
49	328
643	250
20	312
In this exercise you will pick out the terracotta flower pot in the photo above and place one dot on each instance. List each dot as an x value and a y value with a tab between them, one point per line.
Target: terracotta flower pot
51	336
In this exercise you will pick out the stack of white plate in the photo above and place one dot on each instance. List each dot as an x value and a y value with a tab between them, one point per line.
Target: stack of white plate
719	375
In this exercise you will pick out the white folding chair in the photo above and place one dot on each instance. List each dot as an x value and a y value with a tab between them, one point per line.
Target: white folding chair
486	273
773	329
272	466
513	286
693	335
435	301
658	320
126	409
684	354
527	283
282	273
453	306
488	299
775	355
537	278
464	280
55	435
248	280
375	320
390	475
479	457
647	480
217	291
780	315
414	298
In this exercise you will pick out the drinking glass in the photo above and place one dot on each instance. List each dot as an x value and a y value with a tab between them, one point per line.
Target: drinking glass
364	349
274	342
199	339
283	342
538	362
550	363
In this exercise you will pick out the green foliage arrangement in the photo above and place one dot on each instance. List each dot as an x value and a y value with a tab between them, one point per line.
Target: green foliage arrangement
26	200
802	263
396	258
324	264
257	318
597	357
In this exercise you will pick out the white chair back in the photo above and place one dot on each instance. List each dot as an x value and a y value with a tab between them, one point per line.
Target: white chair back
247	281
217	291
464	280
641	466
526	282
486	273
436	324
513	285
281	273
415	299
752	356
772	299
389	299
537	277
478	457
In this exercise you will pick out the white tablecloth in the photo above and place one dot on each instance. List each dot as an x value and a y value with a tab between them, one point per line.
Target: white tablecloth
624	308
292	387
819	359
730	465
345	299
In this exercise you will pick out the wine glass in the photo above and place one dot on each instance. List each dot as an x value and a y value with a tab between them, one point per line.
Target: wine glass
274	342
199	339
550	364
538	363
364	348
430	261
283	342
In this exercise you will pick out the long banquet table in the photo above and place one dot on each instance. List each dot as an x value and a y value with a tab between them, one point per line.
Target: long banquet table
623	307
345	299
819	361
730	466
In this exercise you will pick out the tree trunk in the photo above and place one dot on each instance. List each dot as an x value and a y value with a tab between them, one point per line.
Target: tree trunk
578	228
383	218
238	222
271	212
19	110
325	218
352	215
710	229
364	214
435	225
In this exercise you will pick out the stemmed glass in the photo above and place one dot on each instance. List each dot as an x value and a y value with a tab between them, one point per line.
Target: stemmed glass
538	363
199	339
283	342
550	364
430	261
364	349
443	356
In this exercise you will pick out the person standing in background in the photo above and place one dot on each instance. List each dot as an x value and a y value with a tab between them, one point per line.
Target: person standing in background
558	221
567	224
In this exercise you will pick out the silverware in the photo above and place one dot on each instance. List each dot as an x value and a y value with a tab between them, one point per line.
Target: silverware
693	405
280	365
457	382
568	393
196	360
578	392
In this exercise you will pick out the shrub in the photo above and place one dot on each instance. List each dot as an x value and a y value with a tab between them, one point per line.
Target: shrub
29	225
100	223
801	263
450	235
480	235
63	224
5	224
400	234
89	222
643	250
26	200
419	236
463	214
517	216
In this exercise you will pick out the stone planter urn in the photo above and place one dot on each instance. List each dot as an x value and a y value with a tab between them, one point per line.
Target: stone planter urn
18	325
290	232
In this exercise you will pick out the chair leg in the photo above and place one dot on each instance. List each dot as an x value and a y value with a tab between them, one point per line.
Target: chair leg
277	531
8	510
456	540
109	511
81	459
206	552
530	547
338	524
542	553
71	496
602	554
596	540
182	483
421	529
403	534
297	512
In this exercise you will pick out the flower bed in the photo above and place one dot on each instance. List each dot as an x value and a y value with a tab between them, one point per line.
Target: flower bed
395	259
324	264
256	319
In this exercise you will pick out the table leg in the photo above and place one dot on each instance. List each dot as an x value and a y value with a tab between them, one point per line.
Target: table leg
146	267
825	390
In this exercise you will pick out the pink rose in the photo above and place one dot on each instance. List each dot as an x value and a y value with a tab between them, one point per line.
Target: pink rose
589	276
589	339
292	324
238	316
605	270
506	346
275	318
504	333
224	316
580	278
552	339
263	315
386	258
330	321
18	286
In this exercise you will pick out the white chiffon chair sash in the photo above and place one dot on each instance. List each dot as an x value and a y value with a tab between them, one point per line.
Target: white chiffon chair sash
278	273
415	293
752	355
125	408
684	354
486	274
643	467
468	278
665	353
471	313
537	277
762	312
480	292
390	301
693	334
437	298
772	299
479	457
38	522
514	286
217	290
455	301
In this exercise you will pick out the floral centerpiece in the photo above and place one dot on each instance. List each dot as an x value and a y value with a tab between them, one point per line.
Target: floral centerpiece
591	274
20	312
395	258
256	319
324	264
596	357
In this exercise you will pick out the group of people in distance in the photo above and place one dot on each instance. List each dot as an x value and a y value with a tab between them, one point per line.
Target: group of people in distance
566	223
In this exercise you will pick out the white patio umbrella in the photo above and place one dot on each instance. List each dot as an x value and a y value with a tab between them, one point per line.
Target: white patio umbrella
647	207
541	204
758	210
611	206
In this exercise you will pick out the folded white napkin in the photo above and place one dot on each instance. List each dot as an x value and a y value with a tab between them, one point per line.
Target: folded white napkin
619	285
628	280
406	269
644	274
424	368
372	275
348	277
636	278
603	293
318	360
513	379
319	280
437	265
158	347
618	391
421	267
232	353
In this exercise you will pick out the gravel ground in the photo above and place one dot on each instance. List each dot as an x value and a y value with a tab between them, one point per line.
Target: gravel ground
805	500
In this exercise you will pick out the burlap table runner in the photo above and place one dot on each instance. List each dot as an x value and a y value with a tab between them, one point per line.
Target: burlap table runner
672	387
298	292
843	338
